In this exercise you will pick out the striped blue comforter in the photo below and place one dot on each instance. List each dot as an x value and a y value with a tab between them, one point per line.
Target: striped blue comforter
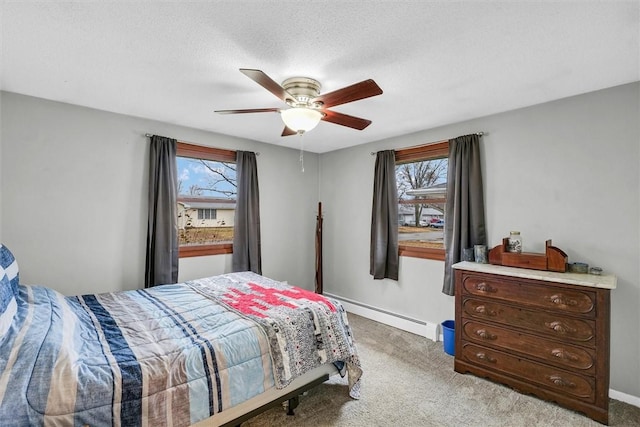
169	355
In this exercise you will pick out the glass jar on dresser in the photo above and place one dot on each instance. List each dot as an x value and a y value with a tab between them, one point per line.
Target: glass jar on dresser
540	332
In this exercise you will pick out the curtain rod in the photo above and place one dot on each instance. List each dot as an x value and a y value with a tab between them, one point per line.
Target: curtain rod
373	153
148	135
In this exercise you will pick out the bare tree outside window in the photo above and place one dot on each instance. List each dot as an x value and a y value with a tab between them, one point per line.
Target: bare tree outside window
194	190
220	178
421	178
214	178
420	175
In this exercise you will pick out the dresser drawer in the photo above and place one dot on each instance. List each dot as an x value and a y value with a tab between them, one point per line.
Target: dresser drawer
548	377
544	323
543	296
547	351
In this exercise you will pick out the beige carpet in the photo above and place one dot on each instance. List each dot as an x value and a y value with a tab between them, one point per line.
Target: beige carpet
409	381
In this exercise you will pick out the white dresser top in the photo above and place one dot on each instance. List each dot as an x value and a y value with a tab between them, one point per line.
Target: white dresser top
605	281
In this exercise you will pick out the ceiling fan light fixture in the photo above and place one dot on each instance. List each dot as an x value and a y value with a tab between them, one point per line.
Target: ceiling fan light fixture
307	105
301	119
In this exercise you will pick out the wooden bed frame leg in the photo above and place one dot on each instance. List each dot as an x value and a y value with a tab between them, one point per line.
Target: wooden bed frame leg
293	404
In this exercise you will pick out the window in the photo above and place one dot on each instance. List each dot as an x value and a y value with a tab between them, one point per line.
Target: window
206	214
421	177
206	199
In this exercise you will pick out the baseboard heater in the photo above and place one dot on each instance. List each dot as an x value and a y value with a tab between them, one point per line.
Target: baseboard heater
426	329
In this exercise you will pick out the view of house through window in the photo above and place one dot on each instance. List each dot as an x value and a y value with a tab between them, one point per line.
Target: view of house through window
206	201
421	179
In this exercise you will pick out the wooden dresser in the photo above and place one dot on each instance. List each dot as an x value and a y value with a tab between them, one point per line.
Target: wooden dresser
538	332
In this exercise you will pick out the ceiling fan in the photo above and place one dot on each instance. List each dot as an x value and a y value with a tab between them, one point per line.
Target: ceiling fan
307	105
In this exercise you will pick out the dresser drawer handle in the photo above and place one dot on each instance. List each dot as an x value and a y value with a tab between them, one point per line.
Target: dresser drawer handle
561	382
485	358
481	309
482	333
560	327
565	355
483	287
562	300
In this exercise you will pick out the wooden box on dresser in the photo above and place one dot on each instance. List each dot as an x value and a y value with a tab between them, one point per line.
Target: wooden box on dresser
538	332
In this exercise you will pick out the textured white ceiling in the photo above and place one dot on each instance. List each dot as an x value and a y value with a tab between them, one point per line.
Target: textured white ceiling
437	62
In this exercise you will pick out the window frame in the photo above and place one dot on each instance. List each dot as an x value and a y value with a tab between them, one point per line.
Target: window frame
431	151
193	151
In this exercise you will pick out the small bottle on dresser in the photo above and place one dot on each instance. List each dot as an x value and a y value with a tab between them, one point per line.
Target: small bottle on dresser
515	242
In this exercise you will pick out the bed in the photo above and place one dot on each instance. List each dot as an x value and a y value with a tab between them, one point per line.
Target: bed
208	352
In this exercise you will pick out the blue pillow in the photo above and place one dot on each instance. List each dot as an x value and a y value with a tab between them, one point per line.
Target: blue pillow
8	305
9	266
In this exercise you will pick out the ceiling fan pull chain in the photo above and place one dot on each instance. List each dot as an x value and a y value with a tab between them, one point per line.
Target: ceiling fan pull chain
301	152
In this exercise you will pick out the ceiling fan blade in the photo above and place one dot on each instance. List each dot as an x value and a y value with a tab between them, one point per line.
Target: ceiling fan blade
345	120
288	132
364	89
250	110
268	83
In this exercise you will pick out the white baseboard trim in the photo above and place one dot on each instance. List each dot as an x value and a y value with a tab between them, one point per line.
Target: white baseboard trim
624	397
430	331
424	329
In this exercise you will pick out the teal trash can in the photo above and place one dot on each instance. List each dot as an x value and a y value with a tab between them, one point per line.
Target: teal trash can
449	340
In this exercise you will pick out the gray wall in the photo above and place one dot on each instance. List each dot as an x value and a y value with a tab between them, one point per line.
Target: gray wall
74	199
565	170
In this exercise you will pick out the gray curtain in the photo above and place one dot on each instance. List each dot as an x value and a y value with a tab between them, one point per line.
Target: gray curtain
162	228
464	211
384	259
246	235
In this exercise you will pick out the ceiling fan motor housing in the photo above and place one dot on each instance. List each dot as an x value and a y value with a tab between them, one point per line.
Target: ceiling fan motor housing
303	89
302	94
